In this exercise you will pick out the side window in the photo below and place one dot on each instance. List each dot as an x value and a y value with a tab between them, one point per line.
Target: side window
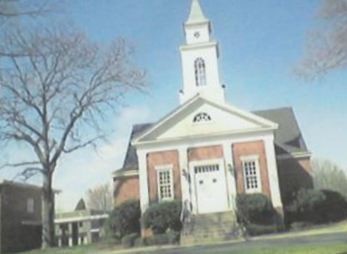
200	72
251	174
30	205
165	183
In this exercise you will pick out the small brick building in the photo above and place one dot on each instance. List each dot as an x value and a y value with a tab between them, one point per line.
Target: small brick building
20	217
206	151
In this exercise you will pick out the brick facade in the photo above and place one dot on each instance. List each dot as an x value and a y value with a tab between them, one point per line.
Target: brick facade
126	188
161	159
205	153
249	149
294	174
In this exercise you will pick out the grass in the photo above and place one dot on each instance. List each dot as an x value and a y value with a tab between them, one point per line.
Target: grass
328	249
324	243
92	249
311	249
340	227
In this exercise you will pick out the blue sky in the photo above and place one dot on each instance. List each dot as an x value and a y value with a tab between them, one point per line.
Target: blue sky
260	42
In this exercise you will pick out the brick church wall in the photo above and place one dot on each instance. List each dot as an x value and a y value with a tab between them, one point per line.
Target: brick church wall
294	174
126	188
160	159
205	153
248	149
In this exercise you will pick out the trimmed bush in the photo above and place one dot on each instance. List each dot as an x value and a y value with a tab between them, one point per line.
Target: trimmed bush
171	237
139	241
163	216
256	229
128	241
317	207
255	209
297	226
124	220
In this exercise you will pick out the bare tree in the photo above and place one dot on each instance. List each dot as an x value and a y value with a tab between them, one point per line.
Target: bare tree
327	175
100	198
326	49
17	8
57	90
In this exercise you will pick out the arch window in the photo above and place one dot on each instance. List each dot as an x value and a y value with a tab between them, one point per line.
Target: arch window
200	72
202	117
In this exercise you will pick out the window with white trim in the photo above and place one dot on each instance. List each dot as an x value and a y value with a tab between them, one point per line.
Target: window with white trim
165	183
251	174
30	205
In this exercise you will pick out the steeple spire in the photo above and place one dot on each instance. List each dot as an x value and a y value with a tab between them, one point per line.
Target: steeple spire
196	14
200	58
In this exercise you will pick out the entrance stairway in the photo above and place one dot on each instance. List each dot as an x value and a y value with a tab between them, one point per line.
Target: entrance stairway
212	227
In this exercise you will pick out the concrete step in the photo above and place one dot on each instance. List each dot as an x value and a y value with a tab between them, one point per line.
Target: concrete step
210	228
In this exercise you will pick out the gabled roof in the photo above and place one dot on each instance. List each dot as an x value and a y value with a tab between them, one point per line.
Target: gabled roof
288	137
260	122
130	161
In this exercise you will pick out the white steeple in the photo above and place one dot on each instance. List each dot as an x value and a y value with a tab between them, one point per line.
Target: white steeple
196	15
200	58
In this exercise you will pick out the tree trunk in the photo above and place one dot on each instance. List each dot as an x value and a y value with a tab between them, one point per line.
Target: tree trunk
47	212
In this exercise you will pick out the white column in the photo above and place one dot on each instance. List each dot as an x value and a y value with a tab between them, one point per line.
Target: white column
230	176
184	171
70	241
79	240
273	173
144	195
70	233
59	241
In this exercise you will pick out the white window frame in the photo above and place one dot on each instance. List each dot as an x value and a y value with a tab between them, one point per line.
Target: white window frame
161	169
30	205
255	159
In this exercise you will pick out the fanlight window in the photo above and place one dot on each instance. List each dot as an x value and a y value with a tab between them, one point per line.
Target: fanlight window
202	117
200	72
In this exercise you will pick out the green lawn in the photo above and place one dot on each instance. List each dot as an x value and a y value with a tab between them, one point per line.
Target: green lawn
319	249
330	239
328	249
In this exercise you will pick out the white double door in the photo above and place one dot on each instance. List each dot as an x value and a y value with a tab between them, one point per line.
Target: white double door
210	188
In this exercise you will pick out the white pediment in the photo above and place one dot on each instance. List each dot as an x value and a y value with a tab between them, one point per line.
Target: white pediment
201	117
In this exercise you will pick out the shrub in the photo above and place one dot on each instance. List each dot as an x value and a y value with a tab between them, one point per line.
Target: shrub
128	241
163	216
255	209
139	241
256	229
297	226
171	237
124	220
317	206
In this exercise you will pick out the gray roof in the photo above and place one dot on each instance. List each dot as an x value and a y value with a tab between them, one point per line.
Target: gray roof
288	137
130	161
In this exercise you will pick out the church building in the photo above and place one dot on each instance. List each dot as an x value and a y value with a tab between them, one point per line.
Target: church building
207	151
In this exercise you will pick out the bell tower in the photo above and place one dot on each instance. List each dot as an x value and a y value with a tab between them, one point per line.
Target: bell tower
199	56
